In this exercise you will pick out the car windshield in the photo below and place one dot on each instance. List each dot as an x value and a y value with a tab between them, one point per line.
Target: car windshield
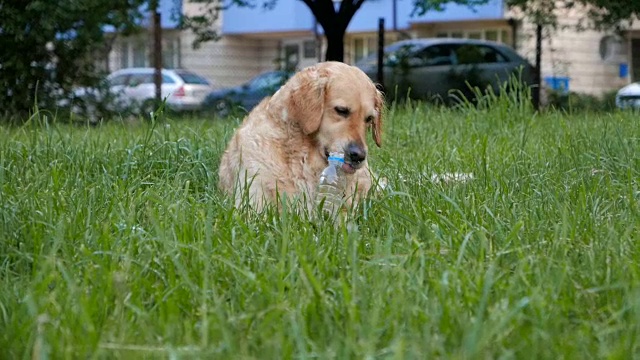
191	78
267	81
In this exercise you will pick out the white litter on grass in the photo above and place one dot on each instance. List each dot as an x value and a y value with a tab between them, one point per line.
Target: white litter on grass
444	178
383	183
455	177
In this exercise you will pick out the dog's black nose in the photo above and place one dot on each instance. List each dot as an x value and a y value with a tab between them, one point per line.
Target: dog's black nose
356	153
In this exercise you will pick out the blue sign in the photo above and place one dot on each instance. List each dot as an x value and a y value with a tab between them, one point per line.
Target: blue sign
560	84
623	71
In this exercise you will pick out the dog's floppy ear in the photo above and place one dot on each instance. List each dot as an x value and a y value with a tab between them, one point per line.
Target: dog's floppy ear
377	122
305	104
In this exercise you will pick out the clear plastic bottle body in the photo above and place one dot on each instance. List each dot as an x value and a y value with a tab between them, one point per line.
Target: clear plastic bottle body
332	185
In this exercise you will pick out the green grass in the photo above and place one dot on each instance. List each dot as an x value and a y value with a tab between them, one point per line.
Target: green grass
116	243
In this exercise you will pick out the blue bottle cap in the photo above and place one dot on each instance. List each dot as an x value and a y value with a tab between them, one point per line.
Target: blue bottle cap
336	156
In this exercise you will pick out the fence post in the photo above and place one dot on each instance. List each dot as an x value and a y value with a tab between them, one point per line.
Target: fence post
537	76
380	72
157	54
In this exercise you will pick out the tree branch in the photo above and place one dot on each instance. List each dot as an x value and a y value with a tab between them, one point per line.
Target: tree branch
326	7
323	11
345	7
310	4
358	3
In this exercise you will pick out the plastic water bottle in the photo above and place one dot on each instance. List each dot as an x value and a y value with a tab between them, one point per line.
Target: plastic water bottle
332	185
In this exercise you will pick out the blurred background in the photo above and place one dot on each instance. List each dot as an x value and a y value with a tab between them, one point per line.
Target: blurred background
100	56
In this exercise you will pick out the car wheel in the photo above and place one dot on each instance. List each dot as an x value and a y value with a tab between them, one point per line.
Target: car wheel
222	108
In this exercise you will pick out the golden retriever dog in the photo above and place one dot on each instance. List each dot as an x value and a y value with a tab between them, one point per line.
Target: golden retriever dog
283	143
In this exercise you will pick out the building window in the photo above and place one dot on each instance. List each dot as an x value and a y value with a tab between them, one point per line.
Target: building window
309	49
372	45
505	37
171	53
477	35
491	35
358	49
498	35
137	53
139	50
124	55
363	47
291	56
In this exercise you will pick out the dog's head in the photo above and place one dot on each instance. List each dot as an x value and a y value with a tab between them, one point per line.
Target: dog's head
335	104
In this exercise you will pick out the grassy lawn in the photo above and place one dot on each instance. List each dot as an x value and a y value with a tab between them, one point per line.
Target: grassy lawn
116	243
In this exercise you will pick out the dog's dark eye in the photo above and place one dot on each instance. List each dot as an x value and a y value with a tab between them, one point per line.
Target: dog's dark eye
342	111
369	119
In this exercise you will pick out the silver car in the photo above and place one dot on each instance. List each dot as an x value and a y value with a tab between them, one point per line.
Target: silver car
182	89
432	68
629	97
132	90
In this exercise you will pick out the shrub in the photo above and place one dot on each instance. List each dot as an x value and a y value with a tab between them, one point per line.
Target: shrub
573	101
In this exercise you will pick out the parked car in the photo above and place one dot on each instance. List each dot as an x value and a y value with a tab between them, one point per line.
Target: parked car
246	96
629	96
133	90
428	68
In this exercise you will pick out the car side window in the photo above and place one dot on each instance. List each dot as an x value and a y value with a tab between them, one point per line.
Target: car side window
478	54
139	79
267	81
166	79
436	55
400	56
118	80
274	81
281	80
259	82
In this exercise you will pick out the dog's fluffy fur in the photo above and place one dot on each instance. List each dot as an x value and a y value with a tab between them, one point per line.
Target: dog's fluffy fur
283	143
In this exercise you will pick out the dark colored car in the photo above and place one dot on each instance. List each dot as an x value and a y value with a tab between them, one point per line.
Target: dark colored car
432	68
246	96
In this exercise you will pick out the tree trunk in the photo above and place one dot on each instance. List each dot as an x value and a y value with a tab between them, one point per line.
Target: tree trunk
334	23
335	46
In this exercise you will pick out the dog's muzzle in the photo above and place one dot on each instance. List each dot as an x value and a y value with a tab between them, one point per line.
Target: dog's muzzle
354	157
355	154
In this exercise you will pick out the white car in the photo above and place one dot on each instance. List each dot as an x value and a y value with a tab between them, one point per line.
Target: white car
629	96
133	90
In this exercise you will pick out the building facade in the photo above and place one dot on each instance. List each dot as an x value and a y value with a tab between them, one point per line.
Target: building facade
254	40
